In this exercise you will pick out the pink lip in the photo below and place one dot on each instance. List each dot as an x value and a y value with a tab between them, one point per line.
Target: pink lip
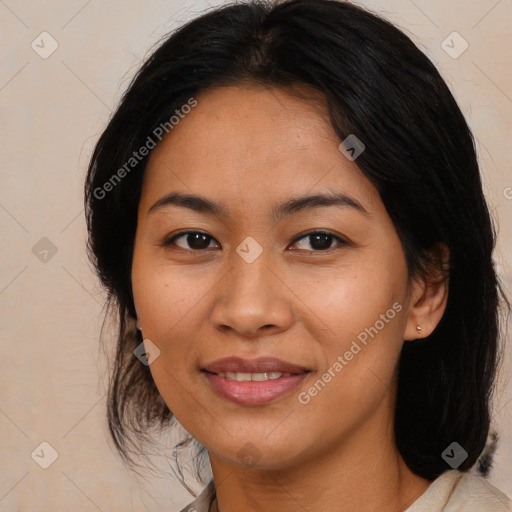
254	392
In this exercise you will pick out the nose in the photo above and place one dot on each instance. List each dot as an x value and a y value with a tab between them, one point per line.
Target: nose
252	299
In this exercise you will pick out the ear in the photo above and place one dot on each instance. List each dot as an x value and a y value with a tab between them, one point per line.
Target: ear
429	295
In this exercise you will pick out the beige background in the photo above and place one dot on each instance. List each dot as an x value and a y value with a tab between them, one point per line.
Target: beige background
53	373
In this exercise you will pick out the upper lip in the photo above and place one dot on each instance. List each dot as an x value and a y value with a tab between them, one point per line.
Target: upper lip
258	365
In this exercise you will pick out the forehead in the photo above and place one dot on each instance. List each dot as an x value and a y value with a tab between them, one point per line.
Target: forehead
252	142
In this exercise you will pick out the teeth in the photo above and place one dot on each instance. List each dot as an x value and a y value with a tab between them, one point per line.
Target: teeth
256	377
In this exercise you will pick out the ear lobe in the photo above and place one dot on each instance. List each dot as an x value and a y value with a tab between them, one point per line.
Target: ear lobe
429	295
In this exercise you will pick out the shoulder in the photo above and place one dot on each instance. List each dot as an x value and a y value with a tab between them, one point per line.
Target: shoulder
476	493
456	491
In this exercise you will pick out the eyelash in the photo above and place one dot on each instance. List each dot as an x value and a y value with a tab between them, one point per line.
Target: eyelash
170	241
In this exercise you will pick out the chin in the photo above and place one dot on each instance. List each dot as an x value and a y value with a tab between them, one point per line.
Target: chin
260	455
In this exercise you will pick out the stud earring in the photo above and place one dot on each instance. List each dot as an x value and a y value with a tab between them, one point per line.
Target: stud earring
138	325
418	330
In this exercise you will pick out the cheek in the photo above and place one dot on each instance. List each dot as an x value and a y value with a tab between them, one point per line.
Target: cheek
358	315
364	313
168	306
173	307
352	296
164	295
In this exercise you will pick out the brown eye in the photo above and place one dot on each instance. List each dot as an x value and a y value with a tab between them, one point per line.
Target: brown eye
319	241
190	240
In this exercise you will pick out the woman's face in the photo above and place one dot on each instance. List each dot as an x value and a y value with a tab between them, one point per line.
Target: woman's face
333	308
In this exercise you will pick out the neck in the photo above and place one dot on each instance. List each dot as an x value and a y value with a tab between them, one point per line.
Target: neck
364	472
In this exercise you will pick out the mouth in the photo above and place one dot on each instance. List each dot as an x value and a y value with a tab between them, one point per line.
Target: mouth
260	365
253	377
253	382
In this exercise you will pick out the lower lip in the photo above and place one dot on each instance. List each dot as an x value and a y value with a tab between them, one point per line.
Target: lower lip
254	392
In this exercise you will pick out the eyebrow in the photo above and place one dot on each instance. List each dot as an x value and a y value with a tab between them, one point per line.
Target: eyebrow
294	205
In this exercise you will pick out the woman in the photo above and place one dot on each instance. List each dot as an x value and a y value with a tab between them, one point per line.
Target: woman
287	212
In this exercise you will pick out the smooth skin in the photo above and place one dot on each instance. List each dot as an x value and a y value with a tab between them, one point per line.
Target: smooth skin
249	149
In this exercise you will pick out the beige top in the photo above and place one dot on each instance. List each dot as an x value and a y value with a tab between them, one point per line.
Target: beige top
453	491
